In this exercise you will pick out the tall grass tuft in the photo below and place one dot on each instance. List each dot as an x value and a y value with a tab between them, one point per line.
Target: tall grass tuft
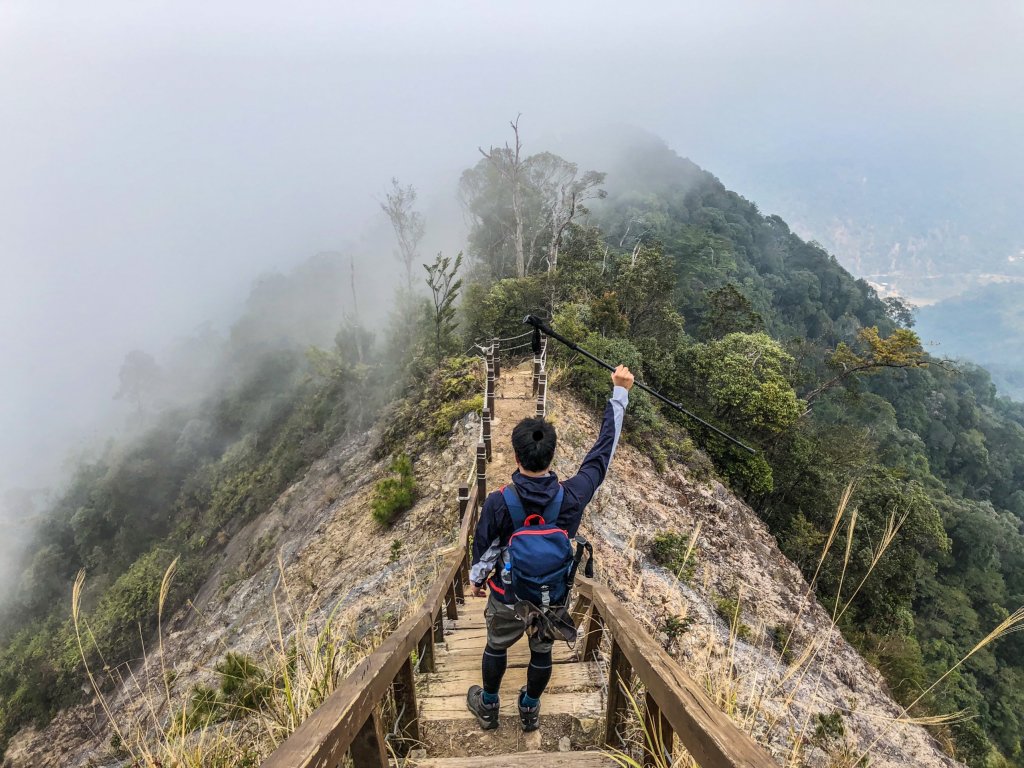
781	706
257	703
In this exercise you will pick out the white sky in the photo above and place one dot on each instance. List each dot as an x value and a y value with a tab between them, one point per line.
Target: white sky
156	156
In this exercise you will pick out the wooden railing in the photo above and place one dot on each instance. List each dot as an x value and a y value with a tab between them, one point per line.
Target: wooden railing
351	720
674	705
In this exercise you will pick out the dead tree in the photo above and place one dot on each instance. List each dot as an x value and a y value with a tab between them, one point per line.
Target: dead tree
407	223
508	162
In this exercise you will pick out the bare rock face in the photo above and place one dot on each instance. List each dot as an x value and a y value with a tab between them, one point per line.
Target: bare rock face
737	558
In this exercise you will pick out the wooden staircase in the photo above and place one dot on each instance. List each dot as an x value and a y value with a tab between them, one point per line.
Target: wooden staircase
426	666
571	708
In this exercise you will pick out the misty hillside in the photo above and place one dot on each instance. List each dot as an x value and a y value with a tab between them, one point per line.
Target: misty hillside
926	224
890	479
985	326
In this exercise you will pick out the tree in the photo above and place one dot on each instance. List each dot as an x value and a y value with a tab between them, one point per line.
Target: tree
507	161
522	208
139	377
899	311
560	192
729	311
444	289
407	223
743	380
901	350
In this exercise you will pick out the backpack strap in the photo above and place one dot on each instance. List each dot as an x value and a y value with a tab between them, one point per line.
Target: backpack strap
554	507
515	506
518	514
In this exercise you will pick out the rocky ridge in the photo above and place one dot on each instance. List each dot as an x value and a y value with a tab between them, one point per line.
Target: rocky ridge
320	542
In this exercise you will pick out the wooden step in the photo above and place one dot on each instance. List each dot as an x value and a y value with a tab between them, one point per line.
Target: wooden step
577	704
565	677
531	759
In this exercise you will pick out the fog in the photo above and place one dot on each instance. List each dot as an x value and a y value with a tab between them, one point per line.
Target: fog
156	158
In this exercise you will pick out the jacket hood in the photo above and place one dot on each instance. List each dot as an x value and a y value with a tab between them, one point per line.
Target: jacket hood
535	492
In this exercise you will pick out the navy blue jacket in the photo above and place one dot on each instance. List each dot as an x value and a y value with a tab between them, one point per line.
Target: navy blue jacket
495	525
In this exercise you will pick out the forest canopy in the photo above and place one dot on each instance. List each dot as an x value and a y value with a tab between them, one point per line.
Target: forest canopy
654	264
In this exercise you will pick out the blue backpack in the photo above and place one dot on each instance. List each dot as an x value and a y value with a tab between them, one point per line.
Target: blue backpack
540	552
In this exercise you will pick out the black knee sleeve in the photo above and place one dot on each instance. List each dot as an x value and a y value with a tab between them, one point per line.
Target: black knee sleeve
493	668
538	673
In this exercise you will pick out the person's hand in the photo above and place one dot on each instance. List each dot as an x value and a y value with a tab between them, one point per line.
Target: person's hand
479	591
621	377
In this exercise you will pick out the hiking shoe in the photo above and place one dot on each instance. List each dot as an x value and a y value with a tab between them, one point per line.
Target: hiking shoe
528	716
486	714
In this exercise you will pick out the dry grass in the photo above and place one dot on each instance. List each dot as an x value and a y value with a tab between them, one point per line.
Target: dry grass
782	706
307	655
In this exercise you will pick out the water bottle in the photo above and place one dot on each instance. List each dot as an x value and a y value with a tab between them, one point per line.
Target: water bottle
506	576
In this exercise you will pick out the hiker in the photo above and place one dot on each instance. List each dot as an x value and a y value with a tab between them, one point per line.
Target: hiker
535	492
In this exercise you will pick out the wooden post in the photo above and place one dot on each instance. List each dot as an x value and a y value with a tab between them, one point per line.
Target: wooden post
593	636
463	507
579	609
542	386
487	432
489	399
450	607
661	734
481	472
426	651
368	749
460	581
496	346
619	674
405	704
438	626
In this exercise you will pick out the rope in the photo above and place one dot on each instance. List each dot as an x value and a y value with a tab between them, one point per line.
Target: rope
503	350
513	338
476	344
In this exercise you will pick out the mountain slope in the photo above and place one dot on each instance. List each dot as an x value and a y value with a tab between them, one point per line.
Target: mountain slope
336	559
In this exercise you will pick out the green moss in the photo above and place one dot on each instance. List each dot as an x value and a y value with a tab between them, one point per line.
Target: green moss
449	413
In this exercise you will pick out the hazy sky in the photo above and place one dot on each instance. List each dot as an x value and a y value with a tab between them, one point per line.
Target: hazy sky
156	156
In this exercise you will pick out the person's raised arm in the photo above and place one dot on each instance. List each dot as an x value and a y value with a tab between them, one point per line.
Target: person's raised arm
595	466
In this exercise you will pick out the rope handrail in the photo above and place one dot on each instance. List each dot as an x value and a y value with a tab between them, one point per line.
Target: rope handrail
513	338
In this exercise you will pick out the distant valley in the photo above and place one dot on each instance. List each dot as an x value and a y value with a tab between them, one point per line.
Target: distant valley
937	238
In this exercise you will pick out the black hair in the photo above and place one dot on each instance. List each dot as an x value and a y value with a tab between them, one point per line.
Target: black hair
533	441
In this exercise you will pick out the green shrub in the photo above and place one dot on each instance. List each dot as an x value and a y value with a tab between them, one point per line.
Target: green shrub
672	550
829	728
396	493
727	609
779	635
674	627
453	389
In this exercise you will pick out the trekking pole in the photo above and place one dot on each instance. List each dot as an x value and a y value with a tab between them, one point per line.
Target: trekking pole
540	328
